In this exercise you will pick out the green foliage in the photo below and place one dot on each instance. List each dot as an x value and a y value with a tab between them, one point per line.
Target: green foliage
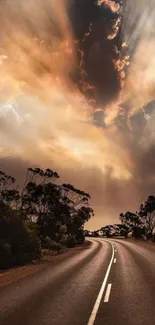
71	241
44	214
18	243
51	244
63	240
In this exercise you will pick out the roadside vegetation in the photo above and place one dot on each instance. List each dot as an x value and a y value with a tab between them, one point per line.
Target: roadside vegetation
138	225
42	215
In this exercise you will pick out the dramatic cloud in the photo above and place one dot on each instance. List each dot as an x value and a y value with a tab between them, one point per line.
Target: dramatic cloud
77	95
138	32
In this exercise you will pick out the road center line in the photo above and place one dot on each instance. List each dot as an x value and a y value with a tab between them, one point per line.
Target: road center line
115	260
107	295
99	297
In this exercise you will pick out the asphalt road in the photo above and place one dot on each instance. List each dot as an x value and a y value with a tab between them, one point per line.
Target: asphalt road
108	283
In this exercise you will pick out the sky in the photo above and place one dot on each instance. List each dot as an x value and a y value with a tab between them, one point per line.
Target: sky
77	95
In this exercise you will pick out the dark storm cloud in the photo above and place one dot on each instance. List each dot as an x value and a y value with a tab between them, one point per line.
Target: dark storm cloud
99	52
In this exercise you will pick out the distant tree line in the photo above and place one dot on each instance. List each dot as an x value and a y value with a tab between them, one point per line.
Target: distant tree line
114	230
139	224
43	214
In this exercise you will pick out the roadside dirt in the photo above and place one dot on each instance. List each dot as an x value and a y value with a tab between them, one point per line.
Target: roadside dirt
14	274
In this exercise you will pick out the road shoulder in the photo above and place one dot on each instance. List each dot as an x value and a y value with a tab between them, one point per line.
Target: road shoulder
15	274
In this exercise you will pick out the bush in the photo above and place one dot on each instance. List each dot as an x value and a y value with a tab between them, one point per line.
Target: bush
63	240
80	237
18	243
71	241
153	238
52	244
49	243
25	249
5	255
62	229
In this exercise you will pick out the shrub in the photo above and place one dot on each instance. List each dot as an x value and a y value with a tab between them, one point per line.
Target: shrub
153	238
62	229
63	240
49	243
5	255
71	241
52	244
80	237
18	243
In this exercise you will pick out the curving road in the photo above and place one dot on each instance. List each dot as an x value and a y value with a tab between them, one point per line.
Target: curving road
109	282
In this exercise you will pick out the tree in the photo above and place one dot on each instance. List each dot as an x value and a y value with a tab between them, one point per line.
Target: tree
78	220
43	213
147	214
131	221
74	196
123	230
8	195
18	241
34	185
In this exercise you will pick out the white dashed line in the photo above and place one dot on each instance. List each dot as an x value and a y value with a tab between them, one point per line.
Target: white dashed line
98	300
115	260
107	295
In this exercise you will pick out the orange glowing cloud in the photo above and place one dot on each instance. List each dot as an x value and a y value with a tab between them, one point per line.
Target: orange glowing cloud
44	115
42	110
115	7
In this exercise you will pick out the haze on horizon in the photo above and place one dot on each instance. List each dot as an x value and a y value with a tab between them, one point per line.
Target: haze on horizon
78	95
